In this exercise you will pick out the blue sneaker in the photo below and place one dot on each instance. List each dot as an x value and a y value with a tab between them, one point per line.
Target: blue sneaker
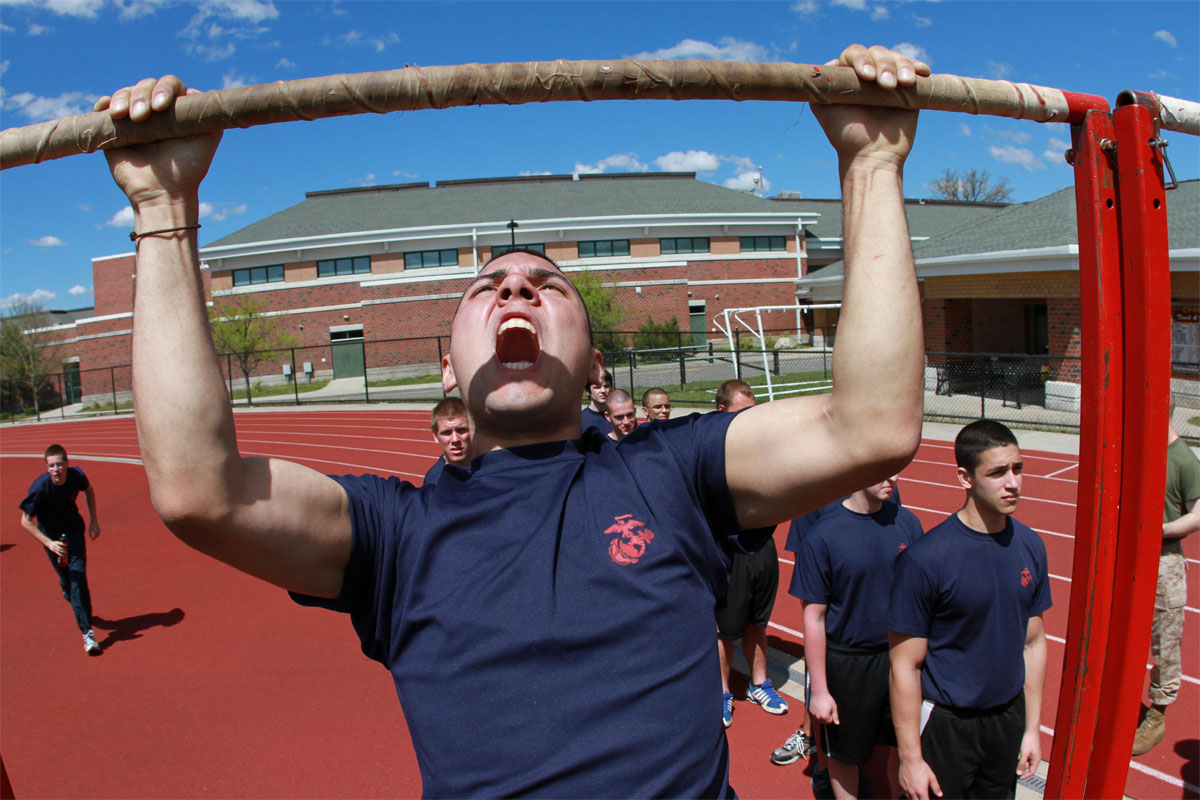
765	695
727	709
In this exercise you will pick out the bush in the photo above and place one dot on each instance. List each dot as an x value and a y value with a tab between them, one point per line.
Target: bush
653	335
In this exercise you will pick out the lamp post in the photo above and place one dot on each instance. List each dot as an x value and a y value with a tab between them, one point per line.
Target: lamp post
512	232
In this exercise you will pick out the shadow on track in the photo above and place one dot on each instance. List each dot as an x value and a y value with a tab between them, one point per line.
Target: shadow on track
130	628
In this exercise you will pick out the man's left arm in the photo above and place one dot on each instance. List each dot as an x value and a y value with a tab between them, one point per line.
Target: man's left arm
1186	525
1035	677
94	522
869	426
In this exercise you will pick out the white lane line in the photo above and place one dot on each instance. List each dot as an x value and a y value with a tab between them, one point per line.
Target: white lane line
1060	471
950	486
928	443
1049	477
1151	771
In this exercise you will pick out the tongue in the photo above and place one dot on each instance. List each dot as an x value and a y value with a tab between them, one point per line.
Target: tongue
517	346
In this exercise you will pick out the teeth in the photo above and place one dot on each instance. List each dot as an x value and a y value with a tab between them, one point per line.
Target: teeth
516	322
517	364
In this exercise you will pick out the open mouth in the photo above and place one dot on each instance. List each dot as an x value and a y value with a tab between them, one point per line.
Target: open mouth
517	344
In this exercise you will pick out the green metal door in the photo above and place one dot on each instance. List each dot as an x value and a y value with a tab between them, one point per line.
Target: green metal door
348	358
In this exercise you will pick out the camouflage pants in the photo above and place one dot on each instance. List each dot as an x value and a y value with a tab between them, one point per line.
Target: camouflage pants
1167	631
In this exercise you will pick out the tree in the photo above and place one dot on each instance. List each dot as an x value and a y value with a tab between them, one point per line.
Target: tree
972	186
653	335
27	356
244	332
605	313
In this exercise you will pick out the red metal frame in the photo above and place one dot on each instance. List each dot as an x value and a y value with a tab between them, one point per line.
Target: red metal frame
1123	432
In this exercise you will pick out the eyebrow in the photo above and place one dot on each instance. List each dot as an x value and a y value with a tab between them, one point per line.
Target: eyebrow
501	273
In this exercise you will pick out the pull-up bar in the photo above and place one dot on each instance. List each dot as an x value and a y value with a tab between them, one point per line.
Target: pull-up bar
415	88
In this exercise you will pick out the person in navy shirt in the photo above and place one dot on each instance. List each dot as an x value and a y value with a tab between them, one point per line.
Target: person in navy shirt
845	576
620	416
452	431
745	609
968	645
547	612
50	514
595	412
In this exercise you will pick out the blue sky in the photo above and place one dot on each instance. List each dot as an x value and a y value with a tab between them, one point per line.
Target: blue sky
57	57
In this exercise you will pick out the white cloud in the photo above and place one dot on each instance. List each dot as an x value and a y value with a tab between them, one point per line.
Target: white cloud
135	9
857	5
964	129
403	173
41	109
747	175
1016	137
121	219
87	9
913	51
691	161
218	19
211	53
284	63
38	30
529	173
367	180
1162	74
625	162
726	49
999	70
223	211
231	80
879	12
921	22
38	296
381	43
77	290
1016	155
47	242
1167	37
805	7
1055	148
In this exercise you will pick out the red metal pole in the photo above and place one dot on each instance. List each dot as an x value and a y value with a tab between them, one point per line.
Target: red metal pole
1142	212
1100	418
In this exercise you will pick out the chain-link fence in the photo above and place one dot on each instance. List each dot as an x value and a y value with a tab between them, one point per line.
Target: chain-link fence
1014	388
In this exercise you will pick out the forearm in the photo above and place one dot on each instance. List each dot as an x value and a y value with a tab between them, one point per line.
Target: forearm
90	495
880	337
33	530
814	649
1035	677
1186	525
178	390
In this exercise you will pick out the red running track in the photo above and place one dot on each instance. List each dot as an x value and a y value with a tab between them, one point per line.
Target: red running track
213	684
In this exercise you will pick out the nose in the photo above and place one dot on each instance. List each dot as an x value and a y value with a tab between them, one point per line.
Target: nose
517	286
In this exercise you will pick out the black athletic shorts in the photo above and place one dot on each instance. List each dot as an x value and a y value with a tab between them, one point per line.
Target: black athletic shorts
753	580
858	680
975	753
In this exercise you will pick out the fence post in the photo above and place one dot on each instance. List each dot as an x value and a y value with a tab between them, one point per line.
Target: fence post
229	374
366	371
112	385
630	362
439	347
682	369
62	395
737	354
776	354
295	376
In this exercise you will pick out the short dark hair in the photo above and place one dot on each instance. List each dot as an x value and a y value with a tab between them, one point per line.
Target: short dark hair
55	450
655	390
447	409
977	438
731	389
619	396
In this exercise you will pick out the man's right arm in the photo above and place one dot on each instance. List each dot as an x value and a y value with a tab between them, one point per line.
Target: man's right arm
31	527
273	519
822	706
907	654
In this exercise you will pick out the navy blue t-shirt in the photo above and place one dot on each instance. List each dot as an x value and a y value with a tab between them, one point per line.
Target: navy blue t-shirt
594	419
846	564
54	506
971	595
547	614
435	472
801	525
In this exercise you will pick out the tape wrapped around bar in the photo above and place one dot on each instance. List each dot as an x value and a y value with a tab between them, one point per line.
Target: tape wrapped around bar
414	88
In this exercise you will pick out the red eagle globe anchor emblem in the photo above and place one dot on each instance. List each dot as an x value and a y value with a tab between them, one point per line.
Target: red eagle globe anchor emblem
632	539
1026	578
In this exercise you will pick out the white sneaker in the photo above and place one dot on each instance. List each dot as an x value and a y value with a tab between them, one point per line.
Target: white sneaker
89	644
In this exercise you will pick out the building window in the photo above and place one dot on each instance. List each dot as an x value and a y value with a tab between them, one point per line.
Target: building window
343	266
696	244
608	247
431	258
752	244
253	275
500	249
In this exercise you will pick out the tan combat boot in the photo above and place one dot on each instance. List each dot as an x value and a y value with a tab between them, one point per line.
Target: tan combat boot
1152	731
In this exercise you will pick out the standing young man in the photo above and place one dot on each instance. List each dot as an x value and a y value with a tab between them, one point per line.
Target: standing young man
563	576
1181	517
745	609
845	577
656	404
50	514
968	646
594	411
452	431
620	416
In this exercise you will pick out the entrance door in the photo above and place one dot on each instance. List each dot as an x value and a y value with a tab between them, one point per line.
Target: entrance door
72	387
699	323
349	360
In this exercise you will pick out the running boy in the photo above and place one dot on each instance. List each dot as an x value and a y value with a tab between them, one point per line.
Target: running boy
50	515
563	577
968	646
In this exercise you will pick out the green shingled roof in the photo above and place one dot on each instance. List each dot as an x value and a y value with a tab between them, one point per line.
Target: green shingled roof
483	201
926	218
